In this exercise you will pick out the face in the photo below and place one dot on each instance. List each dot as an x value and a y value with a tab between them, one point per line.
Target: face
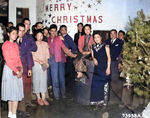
21	32
27	25
97	38
45	32
39	37
113	35
12	35
63	31
39	26
87	30
53	32
80	27
121	36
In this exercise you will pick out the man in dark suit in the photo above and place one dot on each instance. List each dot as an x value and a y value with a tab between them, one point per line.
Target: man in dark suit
115	45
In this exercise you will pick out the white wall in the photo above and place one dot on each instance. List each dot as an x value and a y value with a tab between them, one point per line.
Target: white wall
31	4
114	12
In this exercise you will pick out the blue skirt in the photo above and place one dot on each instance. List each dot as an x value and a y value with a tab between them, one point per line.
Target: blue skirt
12	87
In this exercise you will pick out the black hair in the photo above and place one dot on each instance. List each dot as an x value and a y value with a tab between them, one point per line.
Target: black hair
33	28
96	32
38	31
10	23
23	20
19	25
53	26
38	23
113	30
121	31
87	25
80	24
62	27
11	28
46	28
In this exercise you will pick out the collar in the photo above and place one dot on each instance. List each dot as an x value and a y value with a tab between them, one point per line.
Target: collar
113	40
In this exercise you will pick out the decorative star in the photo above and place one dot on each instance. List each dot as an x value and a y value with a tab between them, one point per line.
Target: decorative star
83	2
89	5
67	0
49	15
98	1
75	7
48	22
45	21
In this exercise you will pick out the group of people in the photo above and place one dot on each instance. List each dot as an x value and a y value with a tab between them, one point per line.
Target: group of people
42	57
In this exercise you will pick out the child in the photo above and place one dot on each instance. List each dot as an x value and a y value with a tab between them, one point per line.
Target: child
101	57
12	86
82	61
40	58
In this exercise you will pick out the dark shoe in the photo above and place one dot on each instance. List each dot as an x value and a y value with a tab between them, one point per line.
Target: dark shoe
63	96
96	108
57	98
30	105
103	107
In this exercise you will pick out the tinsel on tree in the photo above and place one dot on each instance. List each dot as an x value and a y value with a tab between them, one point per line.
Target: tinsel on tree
136	55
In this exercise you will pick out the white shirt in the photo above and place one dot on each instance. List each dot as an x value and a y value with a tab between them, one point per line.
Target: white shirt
113	40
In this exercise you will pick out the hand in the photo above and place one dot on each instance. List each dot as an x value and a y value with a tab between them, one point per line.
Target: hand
95	61
47	65
19	74
29	73
74	55
120	66
107	71
86	53
61	38
41	62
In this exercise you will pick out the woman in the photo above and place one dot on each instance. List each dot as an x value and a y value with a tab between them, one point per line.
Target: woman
79	33
12	84
39	69
101	76
46	32
82	61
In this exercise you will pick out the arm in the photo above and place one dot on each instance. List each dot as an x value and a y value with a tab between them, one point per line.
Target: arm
108	59
72	44
47	55
94	59
36	59
8	56
33	45
66	50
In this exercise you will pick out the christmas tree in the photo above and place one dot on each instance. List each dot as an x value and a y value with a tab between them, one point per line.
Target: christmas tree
136	55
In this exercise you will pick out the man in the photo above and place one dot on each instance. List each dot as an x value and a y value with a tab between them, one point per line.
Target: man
57	61
32	44
121	35
39	25
27	63
115	50
70	44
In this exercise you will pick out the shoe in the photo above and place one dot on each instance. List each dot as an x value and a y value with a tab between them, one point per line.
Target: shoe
45	102
40	102
103	107
96	108
105	115
63	96
57	98
30	105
